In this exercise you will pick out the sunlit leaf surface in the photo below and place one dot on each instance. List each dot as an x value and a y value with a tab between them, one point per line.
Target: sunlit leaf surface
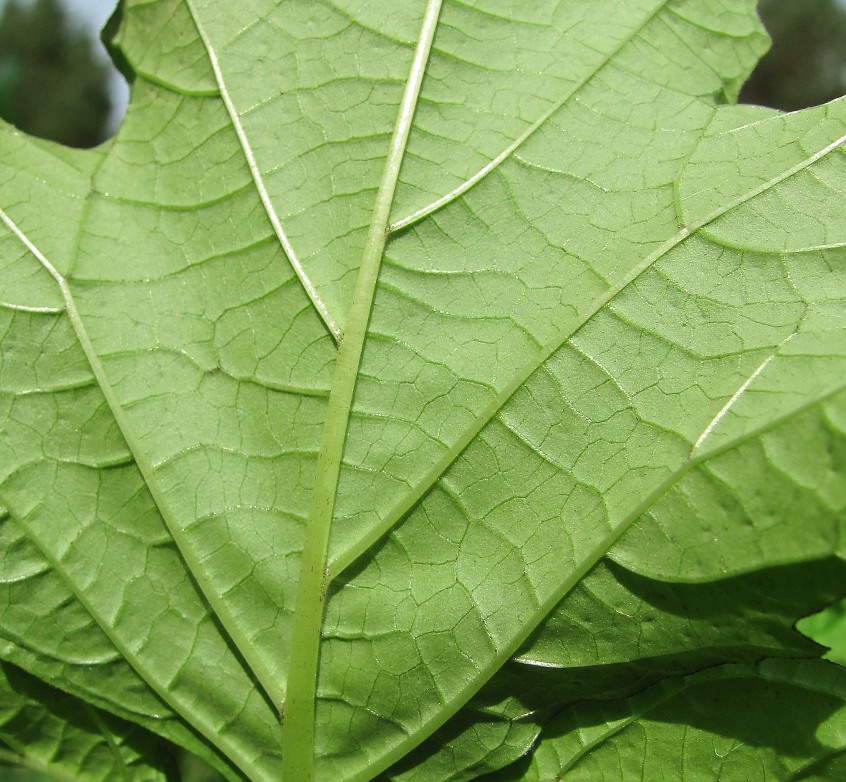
458	384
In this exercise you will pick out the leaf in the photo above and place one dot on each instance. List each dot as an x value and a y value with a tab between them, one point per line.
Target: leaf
37	602
731	721
46	730
829	629
617	634
382	358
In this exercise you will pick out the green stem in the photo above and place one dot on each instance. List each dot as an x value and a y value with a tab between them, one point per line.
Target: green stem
298	727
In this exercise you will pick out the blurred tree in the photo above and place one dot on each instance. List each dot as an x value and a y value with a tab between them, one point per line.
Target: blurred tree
807	62
51	82
22	775
53	85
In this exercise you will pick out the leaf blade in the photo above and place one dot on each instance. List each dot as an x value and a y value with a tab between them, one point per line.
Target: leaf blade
657	353
298	735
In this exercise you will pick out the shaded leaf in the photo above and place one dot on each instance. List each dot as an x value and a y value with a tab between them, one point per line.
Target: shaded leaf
45	730
777	721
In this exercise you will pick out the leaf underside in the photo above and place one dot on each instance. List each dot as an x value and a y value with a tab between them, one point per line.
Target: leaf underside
485	348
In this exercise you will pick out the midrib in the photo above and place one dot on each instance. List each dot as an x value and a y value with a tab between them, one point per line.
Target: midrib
299	706
510	150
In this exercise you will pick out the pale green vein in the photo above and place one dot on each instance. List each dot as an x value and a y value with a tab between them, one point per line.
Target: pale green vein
508	650
82	218
457	192
346	558
614	728
641	705
544	608
298	727
308	285
712	424
174	88
737	244
772	423
25	308
639	709
601	548
188	711
228	620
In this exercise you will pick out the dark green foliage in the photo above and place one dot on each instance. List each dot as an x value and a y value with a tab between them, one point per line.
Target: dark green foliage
52	84
806	65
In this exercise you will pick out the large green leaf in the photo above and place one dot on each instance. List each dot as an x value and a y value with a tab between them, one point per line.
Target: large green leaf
381	348
616	634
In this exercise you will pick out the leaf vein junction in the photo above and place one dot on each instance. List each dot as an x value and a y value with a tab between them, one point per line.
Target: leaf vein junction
298	729
307	284
345	559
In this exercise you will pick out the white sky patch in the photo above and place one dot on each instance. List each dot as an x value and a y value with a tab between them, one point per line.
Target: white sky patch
90	13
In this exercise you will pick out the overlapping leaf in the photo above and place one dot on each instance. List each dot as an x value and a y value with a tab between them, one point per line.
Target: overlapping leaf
607	322
730	722
47	731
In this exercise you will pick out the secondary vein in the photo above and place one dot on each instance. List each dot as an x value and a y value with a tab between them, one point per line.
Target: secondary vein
258	179
298	728
198	720
506	153
345	558
242	643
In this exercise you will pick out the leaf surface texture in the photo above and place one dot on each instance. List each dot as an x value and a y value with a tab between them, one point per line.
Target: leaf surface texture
501	312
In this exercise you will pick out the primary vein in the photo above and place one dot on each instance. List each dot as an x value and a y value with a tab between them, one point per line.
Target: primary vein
298	728
506	153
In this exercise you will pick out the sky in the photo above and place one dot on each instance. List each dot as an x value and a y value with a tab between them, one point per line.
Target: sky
93	12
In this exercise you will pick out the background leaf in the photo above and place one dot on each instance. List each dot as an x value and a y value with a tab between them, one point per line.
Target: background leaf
46	730
781	720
